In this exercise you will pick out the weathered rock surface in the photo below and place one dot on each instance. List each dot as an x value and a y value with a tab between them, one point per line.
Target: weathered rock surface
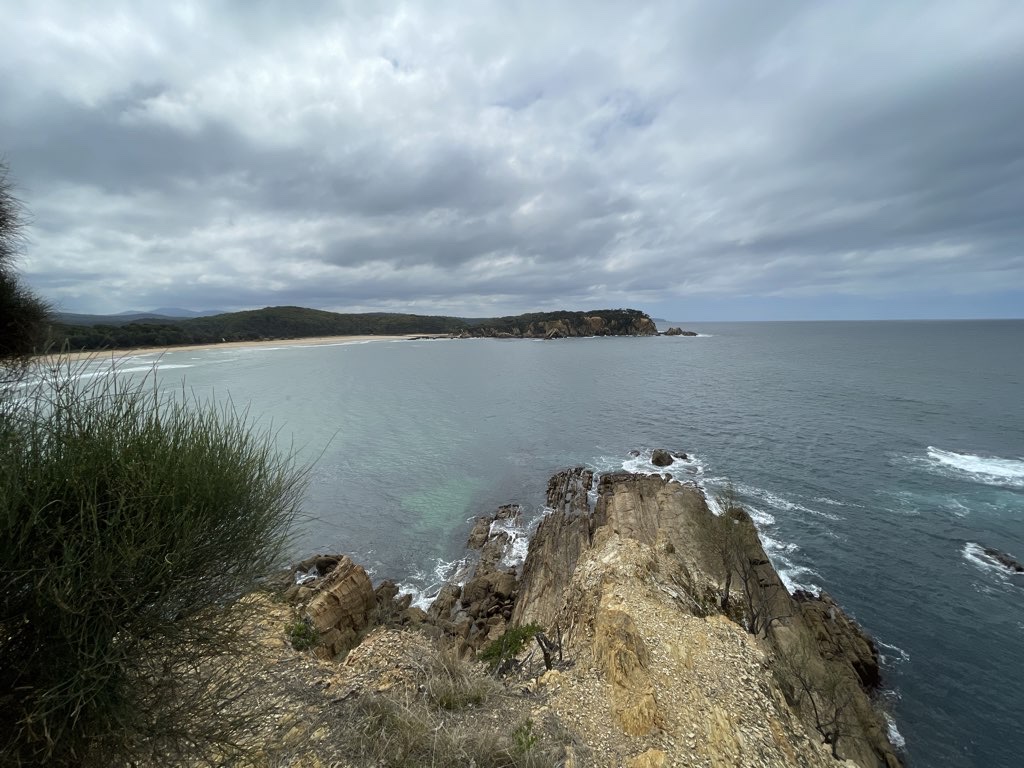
634	586
839	638
661	458
342	607
629	573
478	611
674	331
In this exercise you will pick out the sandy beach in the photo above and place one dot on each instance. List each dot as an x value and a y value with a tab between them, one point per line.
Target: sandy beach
306	342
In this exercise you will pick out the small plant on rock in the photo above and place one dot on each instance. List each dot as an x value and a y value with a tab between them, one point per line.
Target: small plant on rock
509	645
301	635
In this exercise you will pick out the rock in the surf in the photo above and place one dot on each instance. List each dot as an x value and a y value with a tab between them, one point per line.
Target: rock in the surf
1005	560
661	458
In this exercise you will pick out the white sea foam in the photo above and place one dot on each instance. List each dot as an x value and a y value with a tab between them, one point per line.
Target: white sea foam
896	654
759	516
957	507
894	733
785	505
793	578
990	470
834	502
424	587
641	465
155	365
774	545
518	544
975	555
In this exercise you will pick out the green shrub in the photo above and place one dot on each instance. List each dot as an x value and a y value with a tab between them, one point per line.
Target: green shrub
511	642
130	524
301	635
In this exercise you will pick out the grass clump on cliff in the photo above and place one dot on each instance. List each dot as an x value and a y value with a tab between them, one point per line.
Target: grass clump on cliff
453	685
130	524
451	714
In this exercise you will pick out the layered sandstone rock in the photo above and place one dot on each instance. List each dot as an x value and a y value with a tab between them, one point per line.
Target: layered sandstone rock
342	607
635	585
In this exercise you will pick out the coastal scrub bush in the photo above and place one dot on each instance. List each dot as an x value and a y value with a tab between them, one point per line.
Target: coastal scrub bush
22	315
130	524
301	635
510	644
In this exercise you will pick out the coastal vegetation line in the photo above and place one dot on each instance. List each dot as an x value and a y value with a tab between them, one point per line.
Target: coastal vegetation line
273	323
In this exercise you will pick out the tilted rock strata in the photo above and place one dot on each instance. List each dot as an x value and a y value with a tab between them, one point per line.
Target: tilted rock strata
635	587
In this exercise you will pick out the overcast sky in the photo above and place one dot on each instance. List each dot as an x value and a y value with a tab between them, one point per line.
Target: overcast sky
698	160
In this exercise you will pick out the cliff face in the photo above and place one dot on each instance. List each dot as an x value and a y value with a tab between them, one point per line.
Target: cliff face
556	325
669	638
635	587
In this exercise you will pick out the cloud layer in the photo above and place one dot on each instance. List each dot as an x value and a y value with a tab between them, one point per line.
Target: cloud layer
488	158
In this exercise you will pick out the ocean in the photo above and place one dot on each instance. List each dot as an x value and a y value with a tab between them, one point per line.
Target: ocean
877	459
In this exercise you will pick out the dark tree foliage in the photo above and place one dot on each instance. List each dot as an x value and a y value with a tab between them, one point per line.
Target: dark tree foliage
22	315
300	322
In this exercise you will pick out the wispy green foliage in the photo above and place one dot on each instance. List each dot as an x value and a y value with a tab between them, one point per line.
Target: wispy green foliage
22	314
511	642
130	524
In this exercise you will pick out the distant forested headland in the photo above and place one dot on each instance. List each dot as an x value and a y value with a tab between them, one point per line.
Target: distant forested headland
107	332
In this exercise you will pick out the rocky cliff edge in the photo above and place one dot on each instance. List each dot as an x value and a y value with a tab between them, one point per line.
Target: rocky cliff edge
664	635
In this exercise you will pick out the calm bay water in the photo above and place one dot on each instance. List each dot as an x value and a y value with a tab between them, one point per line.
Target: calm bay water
875	457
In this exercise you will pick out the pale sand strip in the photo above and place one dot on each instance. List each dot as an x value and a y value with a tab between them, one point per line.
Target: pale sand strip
118	354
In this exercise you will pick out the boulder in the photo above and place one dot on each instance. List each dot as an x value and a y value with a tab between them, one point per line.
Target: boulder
478	536
414	615
386	592
661	458
342	607
445	601
673	332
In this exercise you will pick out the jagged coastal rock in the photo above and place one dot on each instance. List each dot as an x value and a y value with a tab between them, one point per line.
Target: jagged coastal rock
661	458
670	638
675	331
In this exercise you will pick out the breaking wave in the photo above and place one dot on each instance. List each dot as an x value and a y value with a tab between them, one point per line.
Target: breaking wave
989	470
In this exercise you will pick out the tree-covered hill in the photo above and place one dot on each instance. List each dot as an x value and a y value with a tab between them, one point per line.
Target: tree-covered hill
298	322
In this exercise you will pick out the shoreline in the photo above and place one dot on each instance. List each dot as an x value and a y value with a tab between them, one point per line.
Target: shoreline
310	341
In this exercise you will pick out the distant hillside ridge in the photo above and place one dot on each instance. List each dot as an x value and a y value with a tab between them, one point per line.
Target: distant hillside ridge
298	322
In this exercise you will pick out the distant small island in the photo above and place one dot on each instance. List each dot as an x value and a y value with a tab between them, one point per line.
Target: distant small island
274	323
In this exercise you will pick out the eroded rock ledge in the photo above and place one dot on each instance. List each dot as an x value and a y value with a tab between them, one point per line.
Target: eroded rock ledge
680	644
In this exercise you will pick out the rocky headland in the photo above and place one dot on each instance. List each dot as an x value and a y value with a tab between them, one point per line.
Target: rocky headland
560	325
656	634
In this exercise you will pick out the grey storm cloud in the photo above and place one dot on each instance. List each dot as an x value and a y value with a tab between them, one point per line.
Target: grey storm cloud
498	157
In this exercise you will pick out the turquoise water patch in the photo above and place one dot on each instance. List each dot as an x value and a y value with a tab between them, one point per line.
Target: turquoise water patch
437	509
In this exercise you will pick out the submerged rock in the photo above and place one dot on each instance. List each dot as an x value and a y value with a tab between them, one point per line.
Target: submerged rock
1005	560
